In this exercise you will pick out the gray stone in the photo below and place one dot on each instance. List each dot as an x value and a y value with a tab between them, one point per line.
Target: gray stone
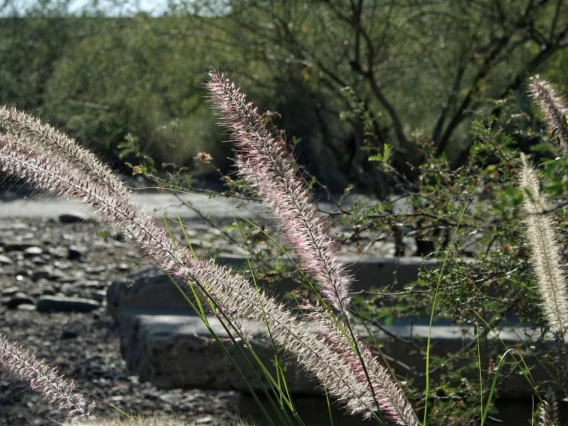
69	335
18	299
98	295
17	246
33	251
76	252
26	307
40	274
90	285
36	292
164	342
123	267
10	291
5	260
48	292
146	289
173	351
65	304
38	260
73	217
95	270
58	275
151	288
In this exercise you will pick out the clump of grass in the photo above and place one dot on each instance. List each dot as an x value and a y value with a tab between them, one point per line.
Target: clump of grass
47	158
344	366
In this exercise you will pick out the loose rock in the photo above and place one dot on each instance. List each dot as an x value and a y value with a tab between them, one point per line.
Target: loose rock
76	252
18	299
33	251
39	274
66	304
10	291
73	217
17	246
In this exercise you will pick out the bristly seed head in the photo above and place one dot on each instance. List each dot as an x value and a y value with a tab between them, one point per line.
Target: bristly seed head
546	253
58	391
553	108
270	169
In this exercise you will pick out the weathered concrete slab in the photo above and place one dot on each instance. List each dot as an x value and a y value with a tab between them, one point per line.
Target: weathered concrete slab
173	350
153	289
178	351
165	343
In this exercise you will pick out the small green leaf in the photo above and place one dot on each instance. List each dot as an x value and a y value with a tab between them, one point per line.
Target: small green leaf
384	157
490	169
541	147
387	151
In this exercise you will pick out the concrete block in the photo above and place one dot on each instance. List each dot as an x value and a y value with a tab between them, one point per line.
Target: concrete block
164	342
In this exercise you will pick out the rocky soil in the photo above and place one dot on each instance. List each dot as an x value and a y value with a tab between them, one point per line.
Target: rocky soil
53	280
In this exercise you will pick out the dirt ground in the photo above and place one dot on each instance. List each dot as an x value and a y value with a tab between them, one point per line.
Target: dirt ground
50	258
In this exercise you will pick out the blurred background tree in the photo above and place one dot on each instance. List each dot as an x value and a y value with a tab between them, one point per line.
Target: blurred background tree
347	76
413	68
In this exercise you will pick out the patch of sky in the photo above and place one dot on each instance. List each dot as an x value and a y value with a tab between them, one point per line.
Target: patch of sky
110	8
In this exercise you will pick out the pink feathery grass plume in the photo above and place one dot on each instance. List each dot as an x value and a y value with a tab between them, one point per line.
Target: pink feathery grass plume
394	406
33	132
548	411
58	391
270	169
233	296
553	108
546	252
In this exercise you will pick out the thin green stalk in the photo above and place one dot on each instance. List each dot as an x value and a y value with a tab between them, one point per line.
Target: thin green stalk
279	370
428	345
480	369
494	385
201	313
328	402
275	385
348	334
526	370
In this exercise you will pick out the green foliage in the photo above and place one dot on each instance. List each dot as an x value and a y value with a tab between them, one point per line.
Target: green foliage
129	77
390	70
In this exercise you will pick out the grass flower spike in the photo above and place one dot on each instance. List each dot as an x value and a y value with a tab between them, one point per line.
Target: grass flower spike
553	108
390	398
546	255
268	167
266	164
58	391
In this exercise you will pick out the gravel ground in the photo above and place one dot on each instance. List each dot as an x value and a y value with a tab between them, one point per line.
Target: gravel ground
46	258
